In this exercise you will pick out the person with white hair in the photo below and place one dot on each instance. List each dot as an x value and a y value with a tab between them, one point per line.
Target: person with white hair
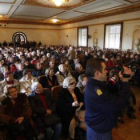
82	80
44	108
70	105
71	54
79	70
62	73
26	82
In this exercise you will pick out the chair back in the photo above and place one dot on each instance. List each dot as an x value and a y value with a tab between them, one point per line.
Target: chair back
43	81
55	91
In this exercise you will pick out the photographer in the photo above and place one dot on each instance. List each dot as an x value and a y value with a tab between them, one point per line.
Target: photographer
102	106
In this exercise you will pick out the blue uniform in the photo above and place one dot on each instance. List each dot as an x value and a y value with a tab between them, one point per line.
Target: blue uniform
102	108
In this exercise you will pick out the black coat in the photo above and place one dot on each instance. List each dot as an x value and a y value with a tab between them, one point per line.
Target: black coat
37	105
11	112
64	106
39	111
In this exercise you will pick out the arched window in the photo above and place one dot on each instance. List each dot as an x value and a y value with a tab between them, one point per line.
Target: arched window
19	39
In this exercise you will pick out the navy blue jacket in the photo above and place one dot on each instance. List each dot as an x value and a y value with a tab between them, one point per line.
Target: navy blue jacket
101	106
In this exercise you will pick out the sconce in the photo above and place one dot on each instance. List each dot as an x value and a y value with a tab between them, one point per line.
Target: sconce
96	41
137	43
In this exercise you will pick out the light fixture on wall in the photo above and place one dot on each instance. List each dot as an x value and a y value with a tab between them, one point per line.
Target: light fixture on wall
1	16
137	43
58	2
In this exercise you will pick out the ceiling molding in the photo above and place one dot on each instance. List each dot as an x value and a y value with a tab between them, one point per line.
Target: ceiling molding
30	12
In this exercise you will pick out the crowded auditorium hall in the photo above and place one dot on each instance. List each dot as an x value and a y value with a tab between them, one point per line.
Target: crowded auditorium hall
69	69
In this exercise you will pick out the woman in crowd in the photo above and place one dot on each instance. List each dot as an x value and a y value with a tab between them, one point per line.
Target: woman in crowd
82	80
26	82
16	114
51	78
62	73
44	106
70	102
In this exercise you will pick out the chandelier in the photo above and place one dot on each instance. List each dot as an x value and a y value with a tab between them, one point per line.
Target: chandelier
58	2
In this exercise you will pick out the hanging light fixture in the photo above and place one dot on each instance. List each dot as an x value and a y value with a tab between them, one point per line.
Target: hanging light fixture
55	20
58	2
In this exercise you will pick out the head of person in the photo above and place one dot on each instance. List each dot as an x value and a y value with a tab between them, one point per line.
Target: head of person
37	88
62	68
96	68
111	57
51	63
21	67
118	57
27	73
77	60
69	83
9	76
5	69
49	72
83	79
65	61
11	92
78	67
48	55
26	63
44	57
38	66
1	62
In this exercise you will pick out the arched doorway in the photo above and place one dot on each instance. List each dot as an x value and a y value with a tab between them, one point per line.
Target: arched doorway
19	39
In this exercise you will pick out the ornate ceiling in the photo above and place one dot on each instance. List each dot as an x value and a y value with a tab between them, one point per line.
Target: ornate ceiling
43	11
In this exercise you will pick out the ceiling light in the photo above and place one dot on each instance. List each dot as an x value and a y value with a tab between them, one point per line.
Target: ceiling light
58	2
54	20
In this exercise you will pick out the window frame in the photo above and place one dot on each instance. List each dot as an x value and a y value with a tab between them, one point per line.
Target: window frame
78	29
121	34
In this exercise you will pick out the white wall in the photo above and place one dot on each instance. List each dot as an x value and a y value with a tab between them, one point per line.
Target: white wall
129	28
131	22
67	34
48	35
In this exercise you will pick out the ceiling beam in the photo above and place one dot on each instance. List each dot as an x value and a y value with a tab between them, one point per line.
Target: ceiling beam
14	7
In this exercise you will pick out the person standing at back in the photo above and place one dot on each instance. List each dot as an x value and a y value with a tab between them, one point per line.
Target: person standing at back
101	106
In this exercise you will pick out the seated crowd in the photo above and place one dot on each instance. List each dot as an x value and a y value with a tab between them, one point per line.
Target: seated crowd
27	77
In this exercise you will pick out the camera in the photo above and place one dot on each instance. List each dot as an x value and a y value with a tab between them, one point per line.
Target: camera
132	67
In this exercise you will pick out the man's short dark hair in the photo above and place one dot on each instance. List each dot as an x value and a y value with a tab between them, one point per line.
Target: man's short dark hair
94	65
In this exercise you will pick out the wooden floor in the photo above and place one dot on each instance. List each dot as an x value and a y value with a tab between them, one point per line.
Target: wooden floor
130	130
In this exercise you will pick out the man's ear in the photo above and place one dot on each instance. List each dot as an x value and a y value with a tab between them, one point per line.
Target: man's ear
97	73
